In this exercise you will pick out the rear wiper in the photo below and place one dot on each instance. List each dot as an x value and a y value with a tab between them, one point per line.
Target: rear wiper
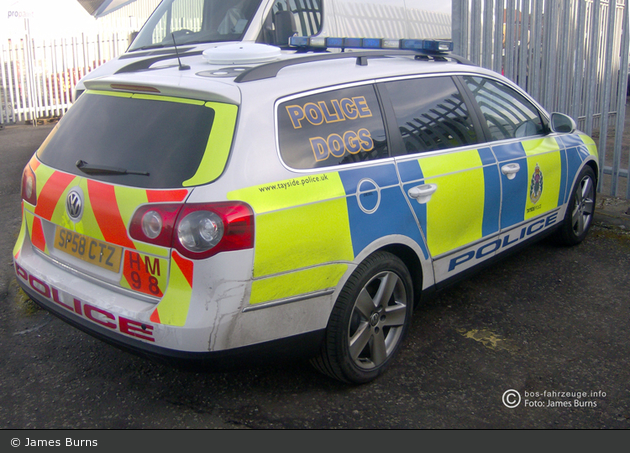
104	170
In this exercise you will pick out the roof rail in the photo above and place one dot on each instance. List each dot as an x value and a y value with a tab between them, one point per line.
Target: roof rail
148	62
270	70
153	52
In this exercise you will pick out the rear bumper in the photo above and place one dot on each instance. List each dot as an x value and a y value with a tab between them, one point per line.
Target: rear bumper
217	326
296	347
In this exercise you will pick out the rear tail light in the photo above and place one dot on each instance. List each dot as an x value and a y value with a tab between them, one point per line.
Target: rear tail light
196	231
29	186
199	231
154	223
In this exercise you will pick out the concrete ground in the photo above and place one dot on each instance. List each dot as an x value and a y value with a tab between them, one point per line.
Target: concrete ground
613	212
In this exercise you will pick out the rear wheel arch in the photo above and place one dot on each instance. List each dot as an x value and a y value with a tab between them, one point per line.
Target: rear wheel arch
410	258
369	320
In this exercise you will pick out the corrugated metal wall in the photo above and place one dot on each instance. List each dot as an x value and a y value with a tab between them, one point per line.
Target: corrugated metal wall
571	55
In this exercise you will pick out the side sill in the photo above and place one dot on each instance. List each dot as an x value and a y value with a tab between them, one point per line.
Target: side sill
289	300
492	261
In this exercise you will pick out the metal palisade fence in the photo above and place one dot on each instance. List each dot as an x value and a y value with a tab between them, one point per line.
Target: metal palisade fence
570	55
38	76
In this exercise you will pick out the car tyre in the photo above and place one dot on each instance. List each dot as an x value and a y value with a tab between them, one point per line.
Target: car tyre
580	210
369	321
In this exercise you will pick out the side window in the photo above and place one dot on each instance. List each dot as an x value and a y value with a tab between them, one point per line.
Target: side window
507	113
292	17
332	128
185	18
196	21
431	114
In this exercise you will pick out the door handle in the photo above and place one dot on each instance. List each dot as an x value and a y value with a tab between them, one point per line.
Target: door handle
510	170
422	194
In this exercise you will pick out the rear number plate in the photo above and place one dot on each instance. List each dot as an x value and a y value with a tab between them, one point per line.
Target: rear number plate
90	250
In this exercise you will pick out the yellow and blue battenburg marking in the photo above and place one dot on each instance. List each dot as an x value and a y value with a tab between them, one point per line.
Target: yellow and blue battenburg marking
551	161
577	149
465	206
377	207
303	242
541	156
474	200
309	229
455	212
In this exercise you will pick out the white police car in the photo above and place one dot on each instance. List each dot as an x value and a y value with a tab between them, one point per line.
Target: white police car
255	200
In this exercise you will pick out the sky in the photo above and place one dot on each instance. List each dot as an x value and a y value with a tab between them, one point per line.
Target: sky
58	18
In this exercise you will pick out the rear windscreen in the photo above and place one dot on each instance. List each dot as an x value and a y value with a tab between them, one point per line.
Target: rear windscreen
162	140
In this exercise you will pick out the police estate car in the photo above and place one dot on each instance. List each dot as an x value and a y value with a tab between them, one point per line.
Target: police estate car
252	199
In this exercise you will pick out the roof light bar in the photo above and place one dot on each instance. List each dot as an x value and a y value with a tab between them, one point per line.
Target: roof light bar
425	45
317	41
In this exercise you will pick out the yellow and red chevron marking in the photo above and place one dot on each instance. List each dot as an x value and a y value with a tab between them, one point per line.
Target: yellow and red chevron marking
107	213
37	235
108	210
108	207
50	193
17	248
186	267
166	196
108	204
173	309
34	163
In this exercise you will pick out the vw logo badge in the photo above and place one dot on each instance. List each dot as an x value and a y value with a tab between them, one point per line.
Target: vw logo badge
74	204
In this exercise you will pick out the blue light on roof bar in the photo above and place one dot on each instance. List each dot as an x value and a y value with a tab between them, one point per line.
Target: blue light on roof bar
372	43
334	42
412	44
424	45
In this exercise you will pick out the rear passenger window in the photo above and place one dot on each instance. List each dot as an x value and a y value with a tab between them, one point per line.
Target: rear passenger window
431	114
332	128
507	113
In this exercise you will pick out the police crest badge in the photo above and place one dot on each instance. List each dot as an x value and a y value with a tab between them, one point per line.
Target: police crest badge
536	185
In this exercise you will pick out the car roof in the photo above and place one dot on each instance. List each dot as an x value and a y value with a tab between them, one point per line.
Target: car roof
288	72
